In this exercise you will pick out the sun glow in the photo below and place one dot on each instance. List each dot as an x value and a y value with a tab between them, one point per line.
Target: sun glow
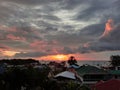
58	57
9	53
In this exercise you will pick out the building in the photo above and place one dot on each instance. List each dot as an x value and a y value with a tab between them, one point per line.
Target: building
92	74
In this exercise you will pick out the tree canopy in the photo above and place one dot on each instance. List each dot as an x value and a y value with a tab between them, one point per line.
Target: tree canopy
72	61
115	60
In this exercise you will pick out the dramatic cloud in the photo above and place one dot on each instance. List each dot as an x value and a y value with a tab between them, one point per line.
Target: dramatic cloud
107	42
29	54
36	28
108	28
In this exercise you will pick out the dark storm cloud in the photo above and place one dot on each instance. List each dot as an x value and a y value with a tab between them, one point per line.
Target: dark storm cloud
89	33
28	33
67	50
31	2
69	23
93	31
99	9
113	36
109	42
71	4
95	8
30	54
19	38
50	17
89	39
49	30
64	38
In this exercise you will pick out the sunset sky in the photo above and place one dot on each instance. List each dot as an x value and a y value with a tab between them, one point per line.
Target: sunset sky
57	29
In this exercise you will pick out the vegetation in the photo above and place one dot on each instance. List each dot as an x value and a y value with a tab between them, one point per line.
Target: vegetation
72	61
115	60
30	77
18	61
14	78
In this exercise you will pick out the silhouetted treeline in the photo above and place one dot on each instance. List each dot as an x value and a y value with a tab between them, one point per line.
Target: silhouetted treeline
13	78
18	61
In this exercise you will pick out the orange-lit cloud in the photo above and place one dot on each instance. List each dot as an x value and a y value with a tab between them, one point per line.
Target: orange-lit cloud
109	26
60	57
76	31
9	53
57	57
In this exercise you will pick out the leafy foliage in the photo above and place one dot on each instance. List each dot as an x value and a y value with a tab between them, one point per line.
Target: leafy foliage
115	60
72	61
30	77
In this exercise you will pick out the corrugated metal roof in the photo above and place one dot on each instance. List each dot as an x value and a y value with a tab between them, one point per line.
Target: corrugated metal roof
88	69
114	72
66	74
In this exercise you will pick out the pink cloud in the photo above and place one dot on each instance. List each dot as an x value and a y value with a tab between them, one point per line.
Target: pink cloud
13	37
11	29
47	47
41	44
4	47
109	26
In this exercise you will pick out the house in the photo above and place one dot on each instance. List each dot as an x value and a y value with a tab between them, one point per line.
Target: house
112	84
68	76
92	74
114	73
